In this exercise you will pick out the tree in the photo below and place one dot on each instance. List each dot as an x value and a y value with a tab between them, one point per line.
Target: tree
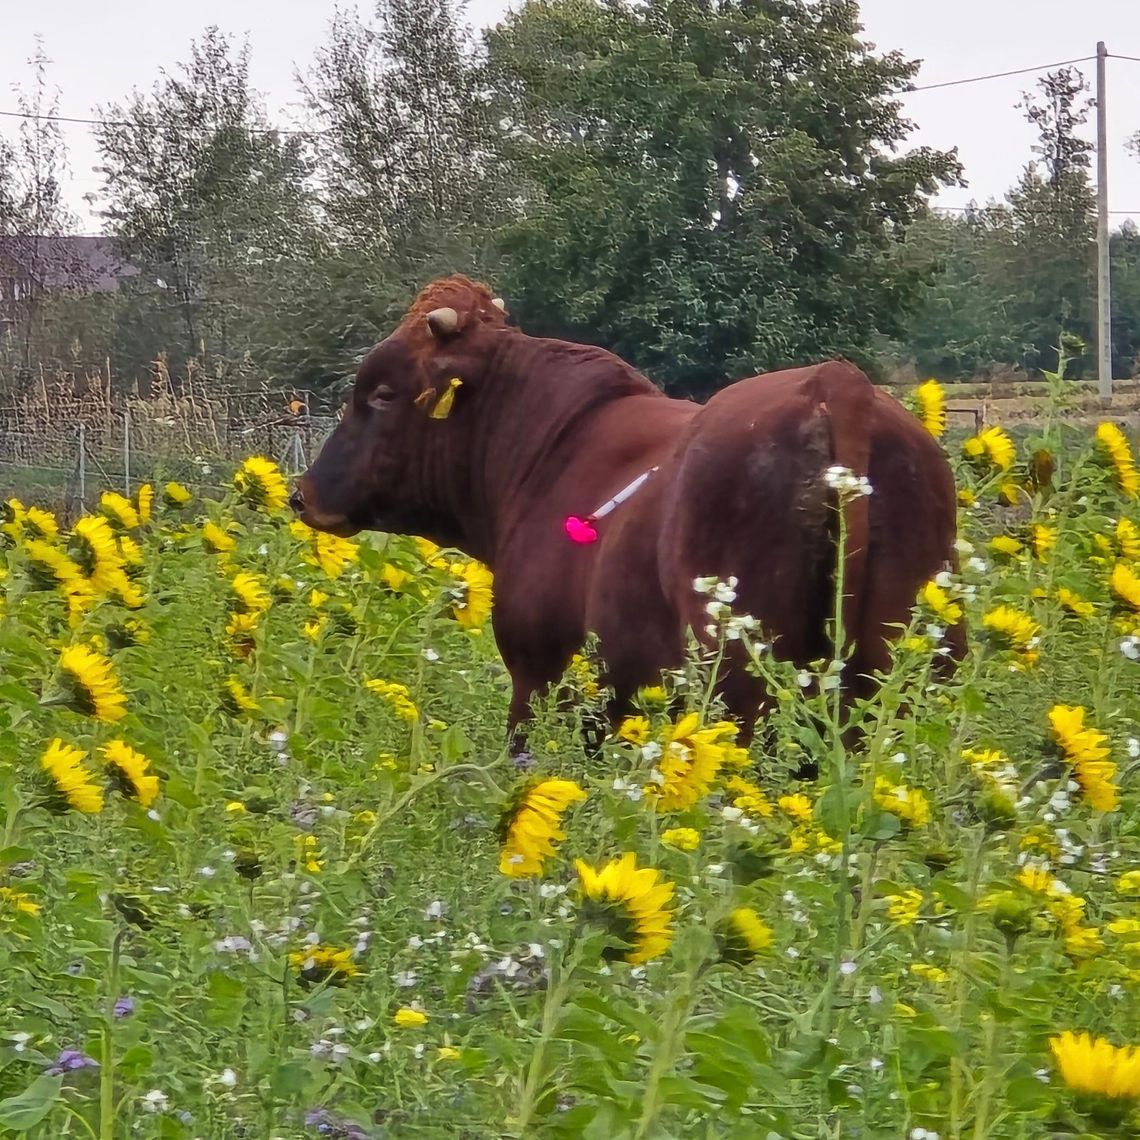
709	188
206	199
1052	221
1125	256
32	210
964	324
405	143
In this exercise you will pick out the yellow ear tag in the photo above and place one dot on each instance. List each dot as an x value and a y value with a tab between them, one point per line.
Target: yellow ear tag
442	408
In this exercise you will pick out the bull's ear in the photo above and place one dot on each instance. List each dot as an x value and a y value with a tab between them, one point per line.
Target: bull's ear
443	322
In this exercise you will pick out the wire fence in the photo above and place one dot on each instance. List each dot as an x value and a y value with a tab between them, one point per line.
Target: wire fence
64	443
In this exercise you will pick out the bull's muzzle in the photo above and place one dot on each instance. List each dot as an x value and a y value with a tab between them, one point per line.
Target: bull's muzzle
303	504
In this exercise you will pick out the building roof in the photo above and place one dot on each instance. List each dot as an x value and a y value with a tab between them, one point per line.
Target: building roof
67	261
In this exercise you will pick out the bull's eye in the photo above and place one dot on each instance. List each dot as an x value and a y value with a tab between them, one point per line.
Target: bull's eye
382	396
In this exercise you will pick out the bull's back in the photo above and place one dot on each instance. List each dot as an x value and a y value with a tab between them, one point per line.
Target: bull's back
748	500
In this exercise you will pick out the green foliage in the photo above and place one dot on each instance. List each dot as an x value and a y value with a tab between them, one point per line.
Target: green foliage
692	197
206	200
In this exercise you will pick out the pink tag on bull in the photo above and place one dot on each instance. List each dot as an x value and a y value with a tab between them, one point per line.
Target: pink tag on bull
580	530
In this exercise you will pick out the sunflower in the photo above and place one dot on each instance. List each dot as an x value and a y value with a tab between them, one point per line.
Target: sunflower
429	553
144	502
1127	536
130	551
99	554
72	783
408	1018
42	523
1094	1065
797	807
991	447
1006	545
119	510
743	935
1073	603
176	495
96	547
909	804
1088	753
634	730
241	626
12	513
1043	539
19	901
632	903
692	760
393	577
249	595
531	828
1124	583
217	540
967	498
50	564
476	583
398	696
929	973
238	699
128	769
931	401
938	601
93	686
748	797
904	909
333	554
261	484
681	838
1119	452
316	964
1015	630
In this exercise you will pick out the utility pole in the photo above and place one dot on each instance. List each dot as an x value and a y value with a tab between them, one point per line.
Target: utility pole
1103	282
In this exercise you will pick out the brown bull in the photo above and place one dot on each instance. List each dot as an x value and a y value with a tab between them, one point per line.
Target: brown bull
540	432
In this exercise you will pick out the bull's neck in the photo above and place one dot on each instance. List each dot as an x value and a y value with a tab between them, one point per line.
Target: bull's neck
538	405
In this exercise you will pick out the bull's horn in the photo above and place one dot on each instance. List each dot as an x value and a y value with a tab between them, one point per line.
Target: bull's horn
499	304
443	322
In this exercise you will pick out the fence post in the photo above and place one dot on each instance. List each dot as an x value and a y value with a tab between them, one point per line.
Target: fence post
126	452
82	466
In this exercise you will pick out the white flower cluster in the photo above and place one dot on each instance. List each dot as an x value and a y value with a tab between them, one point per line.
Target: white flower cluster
721	594
846	482
1130	647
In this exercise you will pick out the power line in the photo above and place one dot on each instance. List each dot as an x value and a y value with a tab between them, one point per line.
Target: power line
979	209
128	123
296	131
1130	58
1001	74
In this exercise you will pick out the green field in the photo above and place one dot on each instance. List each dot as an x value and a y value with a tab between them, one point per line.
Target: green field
310	926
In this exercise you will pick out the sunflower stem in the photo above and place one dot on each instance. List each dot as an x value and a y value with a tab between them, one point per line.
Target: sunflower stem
992	1035
107	1061
561	977
667	1051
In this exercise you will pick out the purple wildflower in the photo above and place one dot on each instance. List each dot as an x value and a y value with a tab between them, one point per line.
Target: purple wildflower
523	762
336	1127
71	1059
124	1007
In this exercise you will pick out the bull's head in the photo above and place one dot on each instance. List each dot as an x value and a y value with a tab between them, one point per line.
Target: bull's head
407	420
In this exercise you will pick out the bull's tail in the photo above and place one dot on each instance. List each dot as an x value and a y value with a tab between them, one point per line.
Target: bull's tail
847	406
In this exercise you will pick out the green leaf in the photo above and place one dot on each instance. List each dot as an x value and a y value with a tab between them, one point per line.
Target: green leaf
25	1110
832	813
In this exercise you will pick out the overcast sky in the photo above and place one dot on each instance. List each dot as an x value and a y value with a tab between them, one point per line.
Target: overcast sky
101	51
